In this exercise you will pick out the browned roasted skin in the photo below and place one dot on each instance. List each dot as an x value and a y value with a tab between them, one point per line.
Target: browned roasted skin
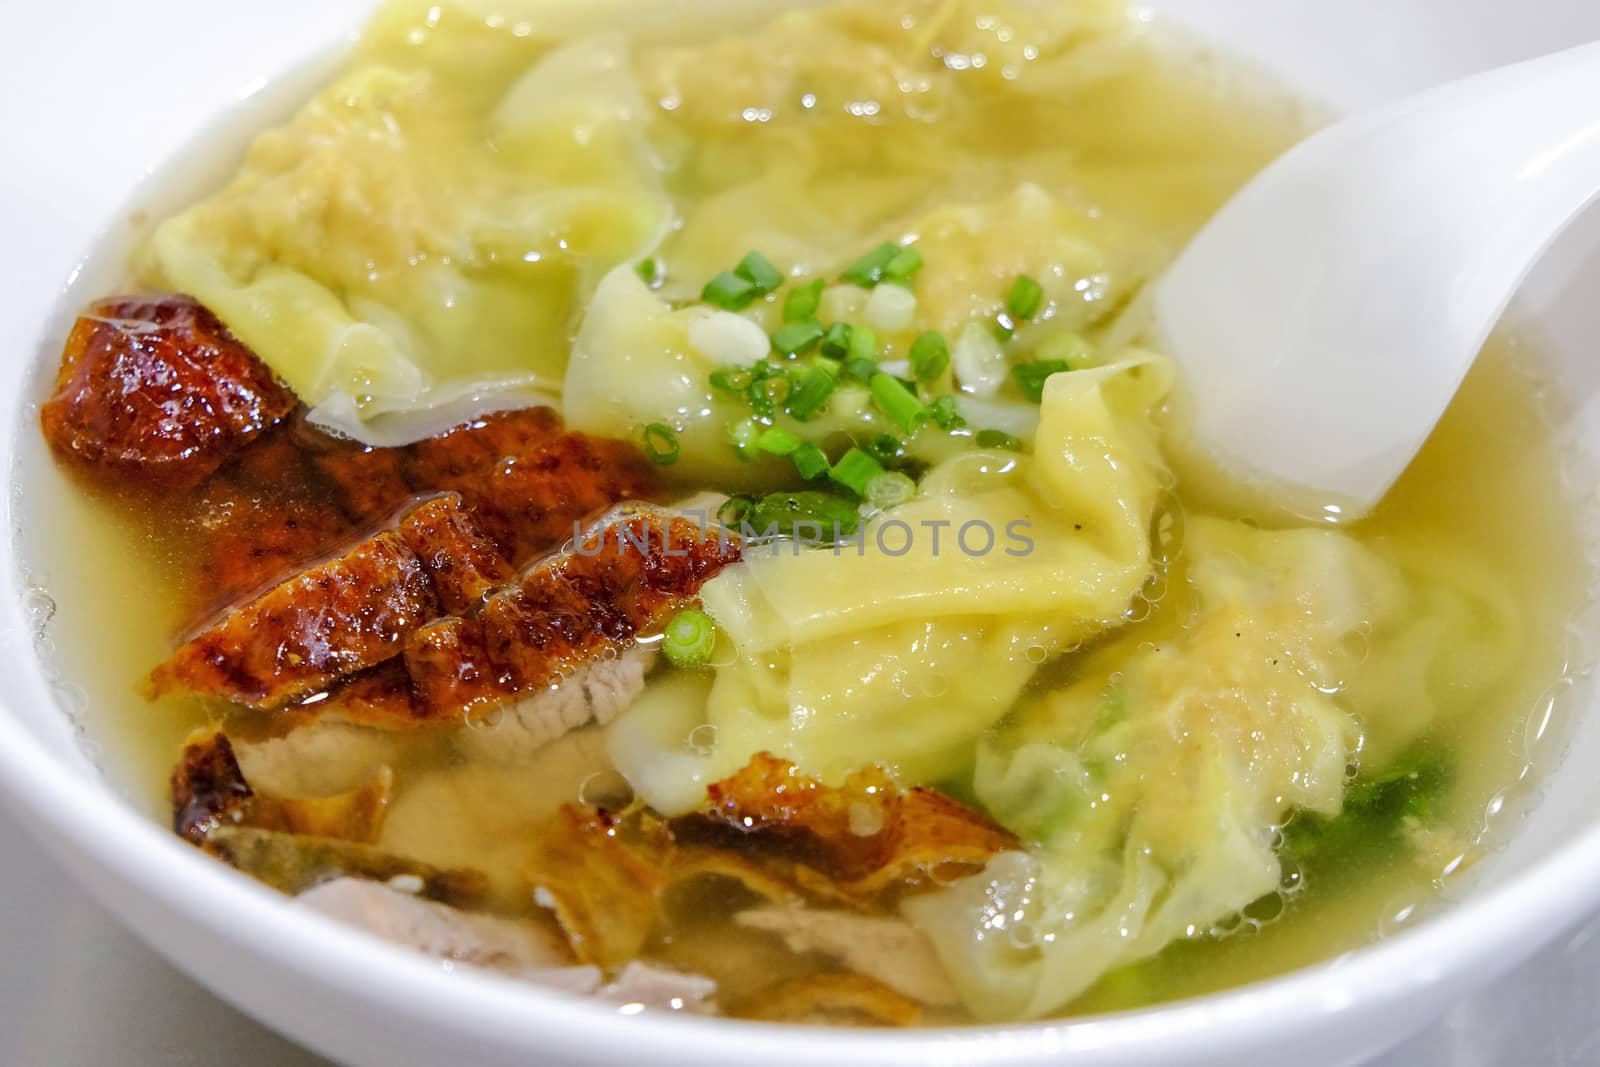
209	792
464	565
625	576
155	387
332	620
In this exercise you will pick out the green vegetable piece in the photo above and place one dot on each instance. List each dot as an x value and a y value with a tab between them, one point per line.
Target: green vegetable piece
860	370
733	509
890	489
759	272
898	402
946	413
778	441
779	515
816	385
810	461
836	342
802	302
730	292
930	355
904	266
650	272
689	639
855	470
867	271
732	381
743	436
998	439
863	343
1030	377
1004	329
885	448
1026	298
793	338
661	443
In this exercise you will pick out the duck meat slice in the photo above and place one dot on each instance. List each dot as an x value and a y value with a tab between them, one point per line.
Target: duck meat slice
329	621
620	579
343	616
156	387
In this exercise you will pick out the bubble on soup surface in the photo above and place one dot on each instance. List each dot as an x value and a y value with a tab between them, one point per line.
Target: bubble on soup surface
605	789
702	740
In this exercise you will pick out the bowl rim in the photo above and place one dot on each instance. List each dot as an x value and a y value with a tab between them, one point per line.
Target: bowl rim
1483	935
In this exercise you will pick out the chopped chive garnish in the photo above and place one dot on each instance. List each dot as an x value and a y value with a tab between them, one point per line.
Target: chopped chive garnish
650	272
998	439
758	270
816	385
836	342
930	355
766	395
1004	328
890	489
793	338
810	461
661	443
863	343
898	402
730	292
903	266
946	414
860	370
781	512
743	436
733	509
778	441
802	302
854	470
689	639
868	270
731	380
1027	296
885	448
1030	377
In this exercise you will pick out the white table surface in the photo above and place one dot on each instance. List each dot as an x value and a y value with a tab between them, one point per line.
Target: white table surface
78	991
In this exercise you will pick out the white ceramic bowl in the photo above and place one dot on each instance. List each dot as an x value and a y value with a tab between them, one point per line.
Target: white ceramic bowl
96	93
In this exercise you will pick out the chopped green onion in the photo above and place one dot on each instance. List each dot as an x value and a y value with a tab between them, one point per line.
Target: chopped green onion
778	441
793	338
767	394
998	439
661	443
649	271
781	512
802	302
860	370
1004	328
854	470
868	270
816	385
733	509
903	266
885	448
890	489
730	292
836	342
810	461
731	380
689	639
930	355
1032	376
946	414
758	270
863	343
898	402
1074	348
743	436
1027	296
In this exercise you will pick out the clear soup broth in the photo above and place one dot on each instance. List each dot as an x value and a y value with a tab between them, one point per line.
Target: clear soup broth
1219	746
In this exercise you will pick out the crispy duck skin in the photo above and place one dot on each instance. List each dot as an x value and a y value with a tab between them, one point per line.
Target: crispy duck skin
301	494
156	388
625	576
